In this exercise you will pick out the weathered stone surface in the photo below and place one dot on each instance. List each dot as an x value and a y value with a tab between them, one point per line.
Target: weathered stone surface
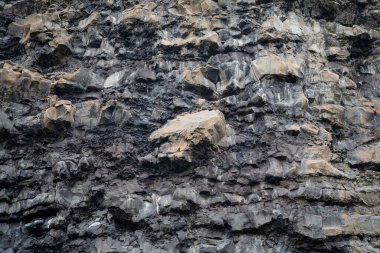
191	7
143	13
20	83
59	114
114	80
78	82
190	130
87	113
209	38
319	167
190	126
273	65
368	154
195	80
284	28
114	113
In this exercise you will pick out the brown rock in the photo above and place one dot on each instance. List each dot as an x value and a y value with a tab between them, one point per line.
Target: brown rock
319	167
188	130
310	129
60	113
19	83
195	80
78	82
191	7
273	65
363	155
330	112
359	115
141	12
209	37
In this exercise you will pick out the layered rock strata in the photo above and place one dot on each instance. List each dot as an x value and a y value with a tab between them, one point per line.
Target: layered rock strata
190	126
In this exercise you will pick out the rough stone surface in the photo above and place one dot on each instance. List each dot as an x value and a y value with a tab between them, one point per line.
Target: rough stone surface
190	130
189	126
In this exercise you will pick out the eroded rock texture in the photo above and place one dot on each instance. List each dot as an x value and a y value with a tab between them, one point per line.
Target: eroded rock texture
197	126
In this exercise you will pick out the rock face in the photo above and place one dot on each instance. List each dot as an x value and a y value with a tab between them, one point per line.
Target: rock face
189	126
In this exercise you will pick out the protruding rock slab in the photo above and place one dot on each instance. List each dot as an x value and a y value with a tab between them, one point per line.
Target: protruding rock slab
320	167
273	65
114	112
78	82
20	83
142	13
314	226
195	80
189	130
191	7
364	155
60	113
209	38
293	28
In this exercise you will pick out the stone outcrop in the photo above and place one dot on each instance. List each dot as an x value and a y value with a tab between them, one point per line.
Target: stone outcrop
273	65
59	114
189	131
366	154
78	82
19	83
189	126
208	39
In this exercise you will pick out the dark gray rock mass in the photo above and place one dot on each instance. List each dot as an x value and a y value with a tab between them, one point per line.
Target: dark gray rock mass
194	126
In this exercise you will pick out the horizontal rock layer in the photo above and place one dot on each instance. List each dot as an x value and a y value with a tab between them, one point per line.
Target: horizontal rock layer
189	126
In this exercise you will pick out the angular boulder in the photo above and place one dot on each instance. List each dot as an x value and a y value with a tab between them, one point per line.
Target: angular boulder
188	130
59	114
